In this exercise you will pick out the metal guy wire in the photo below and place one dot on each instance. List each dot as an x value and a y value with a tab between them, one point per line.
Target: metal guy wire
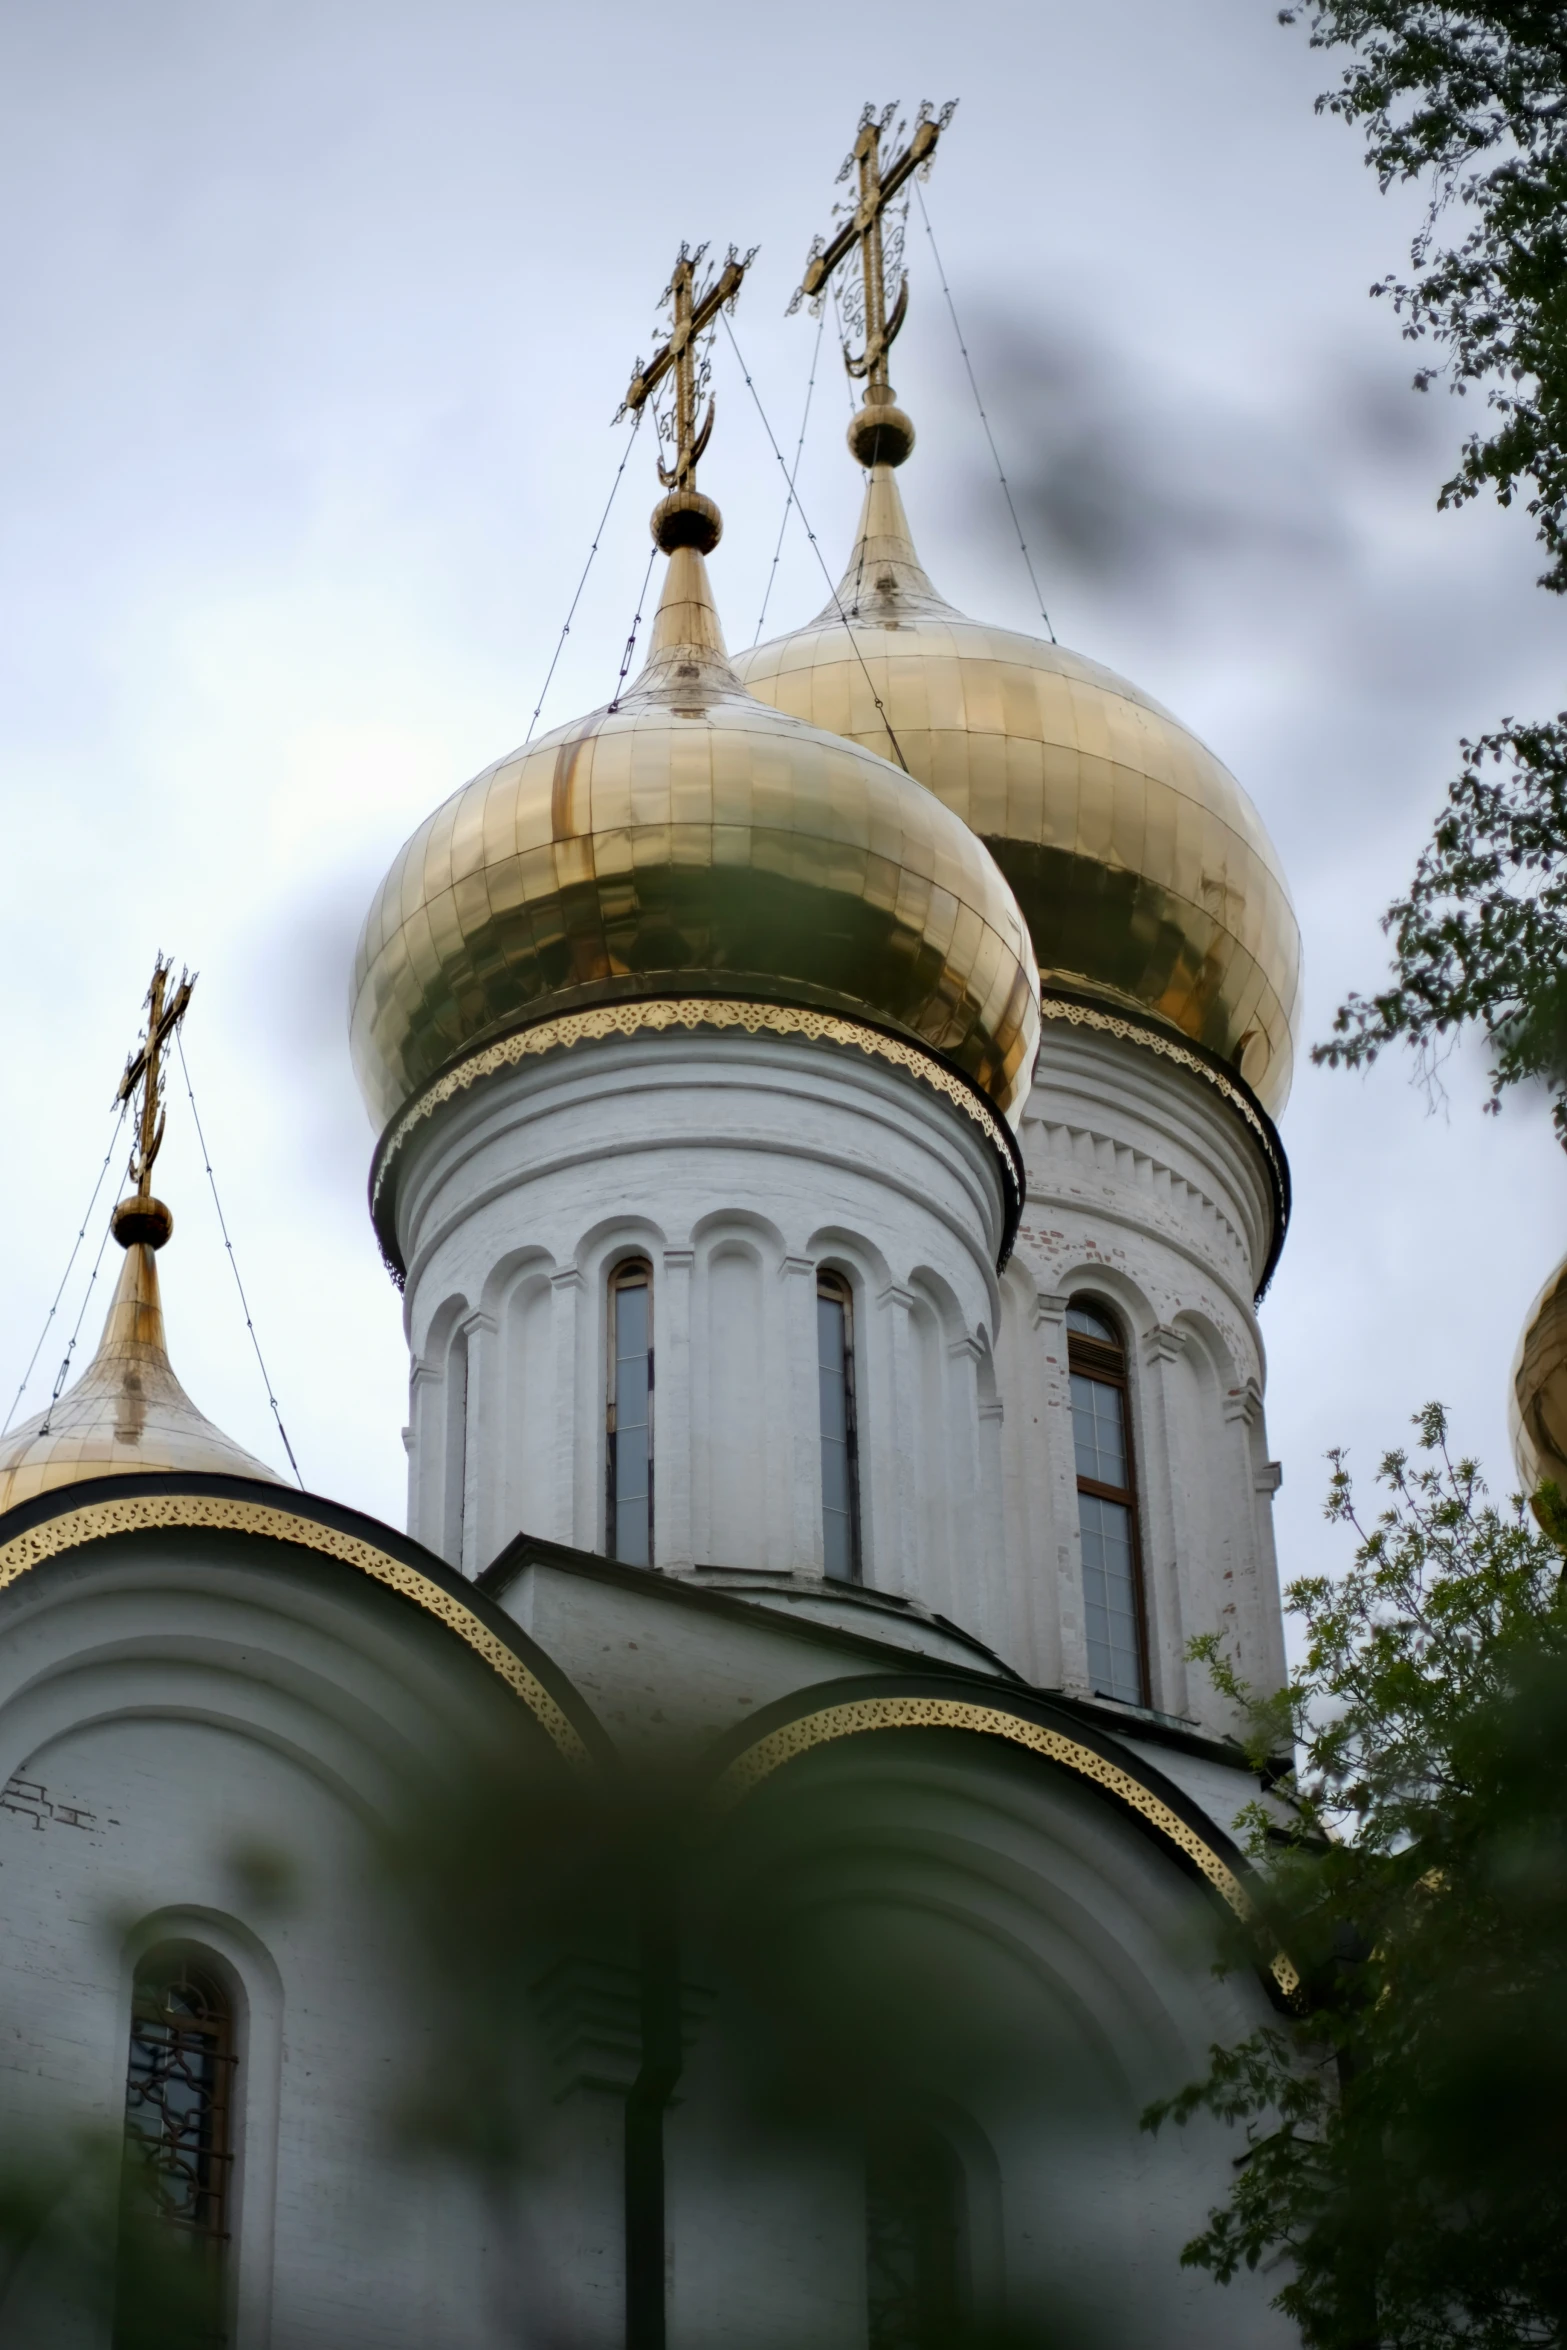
789	500
1006	487
832	586
636	623
64	1371
66	1275
206	1161
636	426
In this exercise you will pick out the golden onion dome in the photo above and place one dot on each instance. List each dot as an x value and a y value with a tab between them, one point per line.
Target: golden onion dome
689	842
1537	1390
1142	868
127	1412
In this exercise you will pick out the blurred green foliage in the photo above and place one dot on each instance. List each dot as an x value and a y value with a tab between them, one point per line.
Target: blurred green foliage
1406	2159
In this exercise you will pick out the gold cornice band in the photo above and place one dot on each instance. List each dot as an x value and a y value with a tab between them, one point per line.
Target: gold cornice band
1150	1038
138	1513
860	1715
1052	1007
691	1012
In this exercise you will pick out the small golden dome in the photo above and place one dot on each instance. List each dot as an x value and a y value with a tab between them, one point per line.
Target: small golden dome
687	841
1142	869
1537	1390
127	1412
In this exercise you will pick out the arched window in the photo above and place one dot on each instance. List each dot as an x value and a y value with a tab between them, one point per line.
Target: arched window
179	2133
629	1450
915	2248
1106	1506
840	1441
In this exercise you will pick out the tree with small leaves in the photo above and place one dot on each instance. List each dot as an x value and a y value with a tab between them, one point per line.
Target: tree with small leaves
1405	2157
1468	99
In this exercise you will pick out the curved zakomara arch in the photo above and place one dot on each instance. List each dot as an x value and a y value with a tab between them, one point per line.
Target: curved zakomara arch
56	1523
820	1716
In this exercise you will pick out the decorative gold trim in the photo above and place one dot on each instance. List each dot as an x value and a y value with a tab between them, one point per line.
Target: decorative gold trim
628	1019
1053	1007
862	1714
139	1513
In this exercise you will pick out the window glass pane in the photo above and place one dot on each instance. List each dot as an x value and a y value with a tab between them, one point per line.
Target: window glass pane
631	1448
832	1356
1109	1591
1088	1324
1099	1430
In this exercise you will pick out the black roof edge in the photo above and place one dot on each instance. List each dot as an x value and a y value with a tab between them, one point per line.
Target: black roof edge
1120	1722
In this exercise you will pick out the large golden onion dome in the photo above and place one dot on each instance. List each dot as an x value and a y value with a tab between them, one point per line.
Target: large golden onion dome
127	1412
1142	869
1537	1390
689	842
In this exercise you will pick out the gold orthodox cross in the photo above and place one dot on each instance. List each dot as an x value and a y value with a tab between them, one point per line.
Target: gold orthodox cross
879	183
144	1070
693	309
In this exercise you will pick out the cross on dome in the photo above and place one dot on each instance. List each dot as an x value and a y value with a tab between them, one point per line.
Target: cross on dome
685	518
141	1217
880	434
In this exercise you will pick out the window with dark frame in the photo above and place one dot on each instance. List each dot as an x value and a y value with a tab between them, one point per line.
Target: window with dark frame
840	1441
629	1422
1107	1506
179	2137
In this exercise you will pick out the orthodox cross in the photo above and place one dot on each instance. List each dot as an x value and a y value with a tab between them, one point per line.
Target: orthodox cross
693	309
144	1070
879	183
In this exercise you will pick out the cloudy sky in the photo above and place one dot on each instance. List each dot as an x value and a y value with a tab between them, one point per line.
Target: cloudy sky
316	316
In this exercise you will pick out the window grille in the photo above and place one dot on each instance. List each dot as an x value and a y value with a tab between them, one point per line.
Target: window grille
629	1415
840	1436
1106	1506
179	2139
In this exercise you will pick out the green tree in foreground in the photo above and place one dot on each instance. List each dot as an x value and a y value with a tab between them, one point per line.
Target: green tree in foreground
1405	2168
1468	98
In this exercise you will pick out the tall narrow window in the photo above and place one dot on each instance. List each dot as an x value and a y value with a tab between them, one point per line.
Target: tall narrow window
914	2242
840	1449
179	2113
1106	1506
630	1422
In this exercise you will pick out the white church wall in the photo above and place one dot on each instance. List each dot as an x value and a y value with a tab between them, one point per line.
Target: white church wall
1079	1948
740	1169
164	1713
1145	1195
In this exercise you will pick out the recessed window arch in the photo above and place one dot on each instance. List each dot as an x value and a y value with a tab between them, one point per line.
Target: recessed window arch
181	2130
839	1427
1107	1504
916	2240
629	1414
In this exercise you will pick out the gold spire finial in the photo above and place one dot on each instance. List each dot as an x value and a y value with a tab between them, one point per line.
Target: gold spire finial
685	518
141	1217
880	434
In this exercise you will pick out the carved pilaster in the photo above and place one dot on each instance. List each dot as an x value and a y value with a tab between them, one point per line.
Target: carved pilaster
673	1539
577	1464
481	1466
889	1418
802	1414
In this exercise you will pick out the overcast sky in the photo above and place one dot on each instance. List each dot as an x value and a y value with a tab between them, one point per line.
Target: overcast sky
315	317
